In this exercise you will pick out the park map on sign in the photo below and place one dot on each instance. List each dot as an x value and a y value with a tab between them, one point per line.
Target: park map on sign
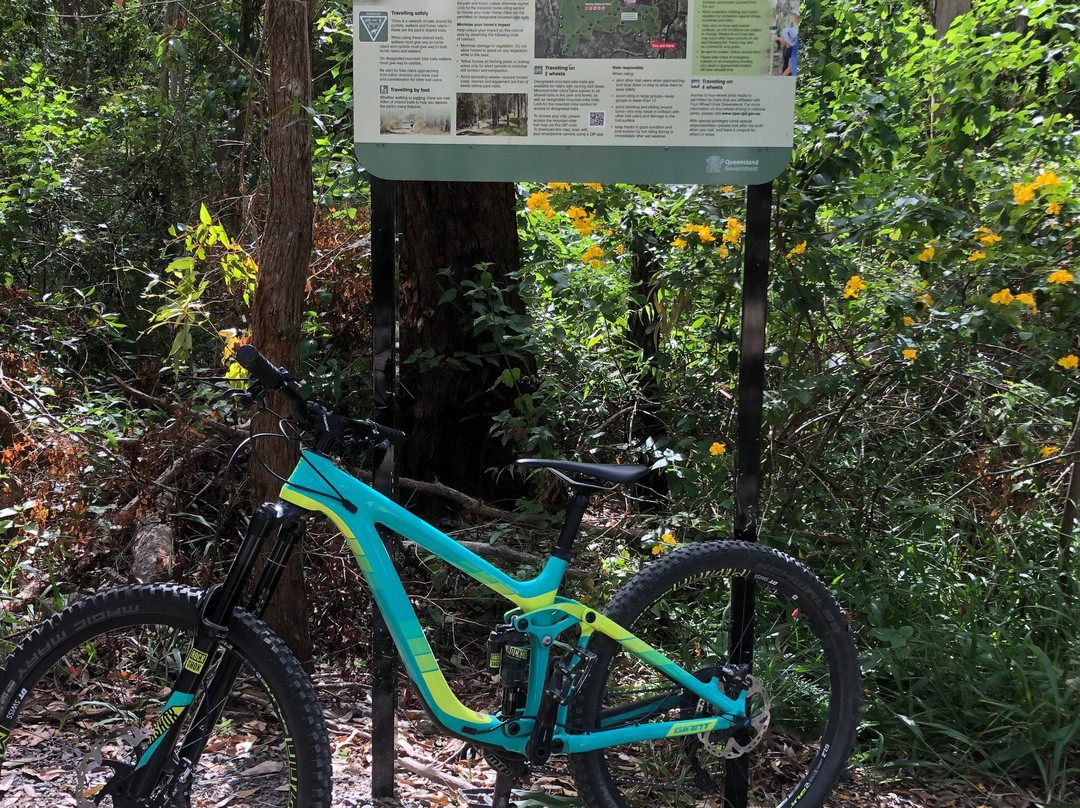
611	29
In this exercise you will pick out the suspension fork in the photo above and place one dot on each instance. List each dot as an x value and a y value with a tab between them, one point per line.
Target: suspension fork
215	611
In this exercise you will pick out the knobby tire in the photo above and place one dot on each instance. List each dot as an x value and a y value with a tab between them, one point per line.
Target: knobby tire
88	684
804	655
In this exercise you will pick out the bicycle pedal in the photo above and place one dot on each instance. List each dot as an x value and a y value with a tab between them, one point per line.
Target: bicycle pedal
567	684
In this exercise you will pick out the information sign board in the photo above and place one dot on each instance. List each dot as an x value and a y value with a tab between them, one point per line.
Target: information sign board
678	91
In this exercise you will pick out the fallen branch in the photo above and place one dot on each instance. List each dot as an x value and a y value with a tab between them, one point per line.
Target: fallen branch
167	478
429	772
152	546
175	408
470	504
479	508
501	551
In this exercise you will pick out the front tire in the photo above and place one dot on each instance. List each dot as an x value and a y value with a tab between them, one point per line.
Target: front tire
803	655
86	687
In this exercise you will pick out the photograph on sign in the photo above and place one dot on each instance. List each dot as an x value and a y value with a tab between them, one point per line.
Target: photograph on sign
706	85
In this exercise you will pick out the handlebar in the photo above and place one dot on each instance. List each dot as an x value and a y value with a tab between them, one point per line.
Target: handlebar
332	427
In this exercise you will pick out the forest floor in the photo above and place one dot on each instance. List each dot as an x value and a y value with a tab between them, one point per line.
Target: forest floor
432	770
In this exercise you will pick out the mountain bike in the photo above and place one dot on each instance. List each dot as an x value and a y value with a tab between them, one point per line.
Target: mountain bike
166	695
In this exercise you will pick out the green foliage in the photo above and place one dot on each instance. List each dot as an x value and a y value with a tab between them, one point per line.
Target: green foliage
192	290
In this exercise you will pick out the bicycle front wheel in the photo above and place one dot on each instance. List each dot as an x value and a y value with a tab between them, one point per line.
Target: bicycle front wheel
80	697
804	697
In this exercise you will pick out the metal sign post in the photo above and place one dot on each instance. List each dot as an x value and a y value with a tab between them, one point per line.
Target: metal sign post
384	294
751	395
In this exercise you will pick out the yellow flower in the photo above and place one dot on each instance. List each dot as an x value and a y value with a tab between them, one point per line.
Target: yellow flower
1069	362
585	225
726	189
1022	194
798	249
1004	297
667	538
657	549
909	321
1060	276
1027	300
592	255
1046	451
910	354
1053	208
705	234
559	186
853	287
926	254
538	200
987	236
681	243
734	228
978	255
620	249
576	212
723	250
1046	180
594	185
718	449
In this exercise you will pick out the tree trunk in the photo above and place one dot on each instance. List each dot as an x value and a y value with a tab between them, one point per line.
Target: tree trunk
447	411
945	11
284	251
643	323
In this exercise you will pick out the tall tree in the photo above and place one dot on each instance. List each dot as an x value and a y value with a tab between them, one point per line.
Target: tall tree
945	11
447	410
284	251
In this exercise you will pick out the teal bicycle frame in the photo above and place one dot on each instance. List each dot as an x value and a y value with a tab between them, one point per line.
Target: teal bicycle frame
316	484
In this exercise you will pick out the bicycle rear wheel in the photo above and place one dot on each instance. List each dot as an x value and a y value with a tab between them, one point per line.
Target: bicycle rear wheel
806	691
80	696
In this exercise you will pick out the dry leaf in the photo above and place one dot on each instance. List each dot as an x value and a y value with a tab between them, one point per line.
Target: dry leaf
266	767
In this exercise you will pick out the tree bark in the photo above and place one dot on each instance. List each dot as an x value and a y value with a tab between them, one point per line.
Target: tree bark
945	11
284	252
447	411
643	324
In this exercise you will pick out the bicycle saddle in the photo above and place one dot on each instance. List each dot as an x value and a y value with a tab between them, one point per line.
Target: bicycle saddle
575	472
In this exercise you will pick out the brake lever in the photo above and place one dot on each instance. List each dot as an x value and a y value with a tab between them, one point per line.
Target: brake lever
250	396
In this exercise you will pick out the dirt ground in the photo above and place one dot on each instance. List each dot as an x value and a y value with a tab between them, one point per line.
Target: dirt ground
432	770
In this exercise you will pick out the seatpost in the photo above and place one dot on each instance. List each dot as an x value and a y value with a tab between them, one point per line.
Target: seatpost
564	548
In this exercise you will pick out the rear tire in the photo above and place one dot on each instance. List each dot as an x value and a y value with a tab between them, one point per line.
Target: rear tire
89	684
803	655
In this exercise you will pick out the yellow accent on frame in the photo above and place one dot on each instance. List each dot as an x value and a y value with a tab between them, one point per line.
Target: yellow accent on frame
296	498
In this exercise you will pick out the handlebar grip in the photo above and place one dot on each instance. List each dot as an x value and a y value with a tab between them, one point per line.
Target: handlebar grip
259	367
394	436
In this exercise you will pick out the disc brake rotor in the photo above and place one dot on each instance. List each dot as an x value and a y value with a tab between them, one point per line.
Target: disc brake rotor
753	733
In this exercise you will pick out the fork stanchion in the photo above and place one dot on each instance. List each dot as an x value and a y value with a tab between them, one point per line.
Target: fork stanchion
751	394
384	310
